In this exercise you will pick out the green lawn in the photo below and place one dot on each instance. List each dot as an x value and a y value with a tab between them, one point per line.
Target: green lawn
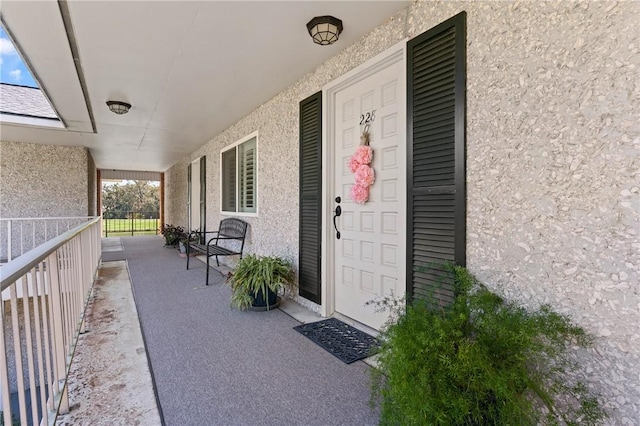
121	227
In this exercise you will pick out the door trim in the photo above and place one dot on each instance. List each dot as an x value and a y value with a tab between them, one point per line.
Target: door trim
396	53
193	181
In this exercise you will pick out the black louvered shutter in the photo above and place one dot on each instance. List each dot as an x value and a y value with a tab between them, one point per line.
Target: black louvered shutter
203	194
189	190
310	197
436	206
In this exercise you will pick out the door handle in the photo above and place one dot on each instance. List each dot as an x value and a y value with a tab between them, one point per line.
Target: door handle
337	212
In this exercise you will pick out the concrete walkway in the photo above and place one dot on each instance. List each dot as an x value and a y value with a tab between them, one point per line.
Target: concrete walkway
110	379
211	365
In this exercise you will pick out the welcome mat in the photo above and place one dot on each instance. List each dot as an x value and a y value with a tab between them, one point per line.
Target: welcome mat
340	339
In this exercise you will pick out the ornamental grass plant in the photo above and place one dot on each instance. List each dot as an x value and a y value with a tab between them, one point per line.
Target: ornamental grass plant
255	275
480	361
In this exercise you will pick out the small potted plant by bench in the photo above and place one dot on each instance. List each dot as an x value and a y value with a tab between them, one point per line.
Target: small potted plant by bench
185	241
256	281
171	234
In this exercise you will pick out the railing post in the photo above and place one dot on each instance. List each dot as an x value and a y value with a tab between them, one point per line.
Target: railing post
37	281
17	349
26	309
33	235
21	238
46	317
64	399
85	255
59	355
4	372
9	239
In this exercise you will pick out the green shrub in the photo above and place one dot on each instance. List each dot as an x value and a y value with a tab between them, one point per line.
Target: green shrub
480	361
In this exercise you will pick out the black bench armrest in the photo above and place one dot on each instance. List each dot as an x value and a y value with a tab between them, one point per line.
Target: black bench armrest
223	238
202	232
200	235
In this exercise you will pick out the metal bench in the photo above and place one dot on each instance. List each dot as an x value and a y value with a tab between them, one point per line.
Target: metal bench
230	229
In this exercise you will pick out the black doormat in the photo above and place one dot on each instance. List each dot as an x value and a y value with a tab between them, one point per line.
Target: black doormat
340	339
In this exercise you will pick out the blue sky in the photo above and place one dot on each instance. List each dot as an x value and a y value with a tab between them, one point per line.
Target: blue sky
12	69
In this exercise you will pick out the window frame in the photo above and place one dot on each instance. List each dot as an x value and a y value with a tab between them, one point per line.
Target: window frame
235	146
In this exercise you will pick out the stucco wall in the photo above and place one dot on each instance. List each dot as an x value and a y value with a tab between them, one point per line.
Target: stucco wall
553	142
175	193
43	180
552	163
92	186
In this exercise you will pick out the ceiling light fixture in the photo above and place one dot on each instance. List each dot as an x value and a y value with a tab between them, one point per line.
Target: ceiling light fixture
118	107
324	30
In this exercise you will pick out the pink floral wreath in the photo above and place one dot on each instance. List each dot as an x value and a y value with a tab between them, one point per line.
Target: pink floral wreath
363	173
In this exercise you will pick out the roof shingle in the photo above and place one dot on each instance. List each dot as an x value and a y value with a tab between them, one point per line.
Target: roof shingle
26	101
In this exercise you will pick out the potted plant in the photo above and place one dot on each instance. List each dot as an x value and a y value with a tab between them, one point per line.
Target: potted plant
171	234
183	241
256	281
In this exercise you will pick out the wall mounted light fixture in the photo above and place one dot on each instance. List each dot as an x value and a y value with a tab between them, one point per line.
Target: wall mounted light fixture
118	107
324	30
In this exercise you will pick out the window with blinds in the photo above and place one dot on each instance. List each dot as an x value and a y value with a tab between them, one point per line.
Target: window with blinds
239	177
229	181
246	186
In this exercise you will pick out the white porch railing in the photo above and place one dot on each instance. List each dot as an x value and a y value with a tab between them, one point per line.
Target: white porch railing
20	235
38	333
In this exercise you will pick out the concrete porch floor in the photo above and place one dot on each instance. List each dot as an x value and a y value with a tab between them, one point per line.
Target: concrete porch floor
110	379
211	365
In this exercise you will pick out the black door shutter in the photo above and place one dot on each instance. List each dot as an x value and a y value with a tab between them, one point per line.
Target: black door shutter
189	191
436	198
203	194
310	197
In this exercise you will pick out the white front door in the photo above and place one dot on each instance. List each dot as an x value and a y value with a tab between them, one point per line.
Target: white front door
369	258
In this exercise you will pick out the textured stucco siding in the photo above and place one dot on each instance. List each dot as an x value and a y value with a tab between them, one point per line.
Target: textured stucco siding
92	186
175	194
553	172
553	149
43	180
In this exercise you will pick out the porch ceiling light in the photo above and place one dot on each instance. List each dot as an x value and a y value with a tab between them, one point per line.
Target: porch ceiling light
324	30
118	107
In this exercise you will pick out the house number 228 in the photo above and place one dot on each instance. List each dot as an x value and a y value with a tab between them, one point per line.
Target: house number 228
368	117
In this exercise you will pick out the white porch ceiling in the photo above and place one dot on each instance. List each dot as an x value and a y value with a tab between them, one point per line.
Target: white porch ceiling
190	69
